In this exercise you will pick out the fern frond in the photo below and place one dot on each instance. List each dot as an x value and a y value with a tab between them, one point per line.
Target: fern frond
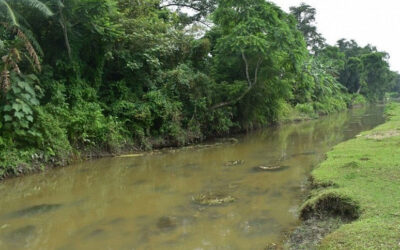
10	12
36	4
30	49
28	33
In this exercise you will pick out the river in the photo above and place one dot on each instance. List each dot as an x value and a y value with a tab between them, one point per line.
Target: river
148	202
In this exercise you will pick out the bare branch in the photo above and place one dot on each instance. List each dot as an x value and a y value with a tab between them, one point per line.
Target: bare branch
229	103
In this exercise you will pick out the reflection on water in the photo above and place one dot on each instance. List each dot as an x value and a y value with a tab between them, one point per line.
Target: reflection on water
147	202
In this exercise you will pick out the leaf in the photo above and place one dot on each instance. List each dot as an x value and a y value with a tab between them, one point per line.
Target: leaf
16	89
39	6
29	118
26	109
23	84
19	115
20	132
7	108
30	90
34	101
26	96
16	106
7	118
11	13
24	124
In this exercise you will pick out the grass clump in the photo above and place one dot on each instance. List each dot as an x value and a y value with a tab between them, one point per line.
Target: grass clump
330	203
364	191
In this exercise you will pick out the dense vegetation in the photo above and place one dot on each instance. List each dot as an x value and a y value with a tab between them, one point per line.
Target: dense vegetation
110	75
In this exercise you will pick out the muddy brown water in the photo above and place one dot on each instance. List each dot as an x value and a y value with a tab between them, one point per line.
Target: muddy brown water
146	202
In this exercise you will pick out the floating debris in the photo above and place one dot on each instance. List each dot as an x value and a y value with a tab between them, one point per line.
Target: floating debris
234	163
271	168
129	156
213	199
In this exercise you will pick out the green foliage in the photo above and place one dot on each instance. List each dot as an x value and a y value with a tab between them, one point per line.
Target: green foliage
18	105
365	70
96	76
8	9
358	100
306	108
13	161
88	127
50	136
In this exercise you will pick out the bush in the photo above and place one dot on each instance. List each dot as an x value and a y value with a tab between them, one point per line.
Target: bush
50	136
331	104
306	108
89	128
13	160
358	100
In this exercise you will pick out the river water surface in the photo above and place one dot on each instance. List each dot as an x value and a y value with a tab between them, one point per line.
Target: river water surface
146	202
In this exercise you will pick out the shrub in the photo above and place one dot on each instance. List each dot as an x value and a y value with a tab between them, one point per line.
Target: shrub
358	100
50	136
306	108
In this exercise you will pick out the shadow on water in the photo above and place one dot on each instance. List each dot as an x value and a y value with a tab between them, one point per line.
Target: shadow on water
239	195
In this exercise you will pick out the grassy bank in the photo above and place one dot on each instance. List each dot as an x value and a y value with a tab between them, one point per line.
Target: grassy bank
359	183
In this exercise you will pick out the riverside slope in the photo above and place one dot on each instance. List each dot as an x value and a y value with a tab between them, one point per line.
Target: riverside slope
359	182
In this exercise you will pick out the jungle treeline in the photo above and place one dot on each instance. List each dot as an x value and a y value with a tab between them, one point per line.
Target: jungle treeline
80	76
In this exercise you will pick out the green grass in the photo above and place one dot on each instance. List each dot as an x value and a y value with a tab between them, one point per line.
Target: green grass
360	180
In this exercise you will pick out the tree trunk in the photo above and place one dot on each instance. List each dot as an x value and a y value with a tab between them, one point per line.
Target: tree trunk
65	32
359	90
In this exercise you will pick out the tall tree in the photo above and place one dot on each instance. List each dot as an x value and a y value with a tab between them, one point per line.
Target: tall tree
305	16
377	74
259	38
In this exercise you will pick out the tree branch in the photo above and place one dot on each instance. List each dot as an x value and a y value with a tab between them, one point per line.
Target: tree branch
181	5
229	103
250	84
65	32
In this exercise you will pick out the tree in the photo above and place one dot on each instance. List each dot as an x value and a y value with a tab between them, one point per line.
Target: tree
377	74
305	16
352	75
261	37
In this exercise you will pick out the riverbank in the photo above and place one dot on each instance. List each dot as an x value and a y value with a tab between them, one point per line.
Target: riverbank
16	163
80	136
355	198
